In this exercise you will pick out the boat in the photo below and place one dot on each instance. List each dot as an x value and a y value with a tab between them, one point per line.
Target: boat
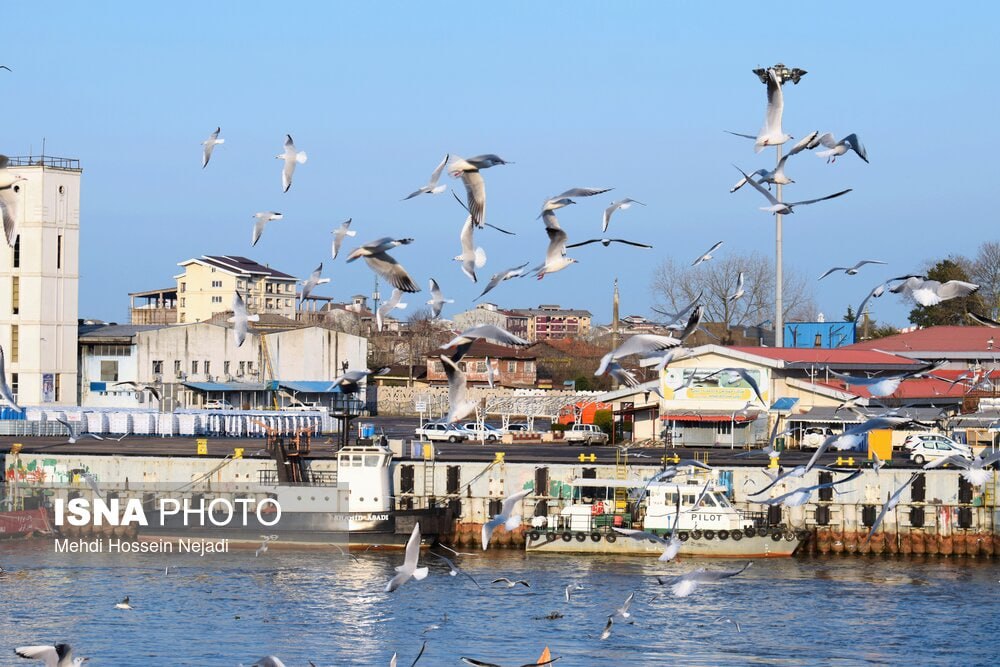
709	526
24	523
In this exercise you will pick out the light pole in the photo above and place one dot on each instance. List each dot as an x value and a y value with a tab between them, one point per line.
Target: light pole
784	74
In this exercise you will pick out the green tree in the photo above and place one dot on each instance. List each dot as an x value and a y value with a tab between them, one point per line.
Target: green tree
951	311
850	315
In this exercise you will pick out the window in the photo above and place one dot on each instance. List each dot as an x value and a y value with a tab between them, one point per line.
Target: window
511	365
17	251
194	368
14	384
239	284
724	428
14	342
109	370
480	366
243	365
529	367
157	367
207	367
177	366
59	251
216	299
58	388
15	295
267	304
269	288
182	318
225	367
183	287
216	283
288	302
183	302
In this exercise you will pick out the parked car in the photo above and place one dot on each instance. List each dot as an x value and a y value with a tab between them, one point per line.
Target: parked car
305	407
587	434
518	428
487	433
933	438
218	404
814	437
923	451
441	432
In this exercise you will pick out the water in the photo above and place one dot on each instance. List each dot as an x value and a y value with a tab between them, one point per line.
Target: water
313	605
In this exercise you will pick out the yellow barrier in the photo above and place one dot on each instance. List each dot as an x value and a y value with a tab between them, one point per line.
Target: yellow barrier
237	452
202	446
587	457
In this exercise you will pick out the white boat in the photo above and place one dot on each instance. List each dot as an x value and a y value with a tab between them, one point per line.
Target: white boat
710	528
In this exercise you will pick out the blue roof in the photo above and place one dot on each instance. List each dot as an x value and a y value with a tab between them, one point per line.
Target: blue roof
784	404
310	386
226	386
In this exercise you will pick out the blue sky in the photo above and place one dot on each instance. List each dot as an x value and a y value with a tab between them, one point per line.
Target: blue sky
630	95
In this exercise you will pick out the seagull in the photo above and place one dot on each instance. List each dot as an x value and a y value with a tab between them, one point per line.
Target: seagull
739	289
607	628
409	568
378	260
620	204
140	387
348	382
878	386
313	282
641	344
432	187
492	333
263	546
73	436
5	392
983	320
786	208
490	374
454	571
509	521
838	148
801	495
607	242
269	661
621	375
475	187
672	318
623	610
240	319
694	321
776	177
975	471
672	546
890	503
511	584
515	272
338	236
931	292
770	134
124	604
708	255
60	655
390	303
6	68
852	436
876	292
555	254
291	158
807	143
472	258
686	584
8	200
851	270
460	405
209	145
723	619
263	217
565	198
569	590
437	300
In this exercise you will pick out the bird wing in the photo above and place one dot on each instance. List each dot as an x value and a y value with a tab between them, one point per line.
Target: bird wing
478	663
985	321
957	461
806	143
956	288
511	501
387	267
436	174
557	245
759	188
708	576
412	549
490	332
855	145
607	215
436	294
833	270
457	390
258	229
47	654
889	504
8	206
475	194
582	243
813	201
639	535
627	242
775	105
287	170
694	321
828	140
740	134
878	291
581	192
867	261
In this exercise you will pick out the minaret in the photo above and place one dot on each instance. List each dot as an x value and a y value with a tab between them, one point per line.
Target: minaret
614	318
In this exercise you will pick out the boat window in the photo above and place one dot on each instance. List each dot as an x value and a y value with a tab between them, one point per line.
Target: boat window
708	501
723	501
671	498
356	460
371	461
688	500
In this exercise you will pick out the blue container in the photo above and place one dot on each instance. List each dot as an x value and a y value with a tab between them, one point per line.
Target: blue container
366	430
10	414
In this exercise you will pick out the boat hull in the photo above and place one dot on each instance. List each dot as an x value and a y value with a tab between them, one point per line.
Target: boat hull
778	544
24	523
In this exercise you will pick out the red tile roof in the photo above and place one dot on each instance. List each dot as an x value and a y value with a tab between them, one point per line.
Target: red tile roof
823	356
481	348
935	339
910	388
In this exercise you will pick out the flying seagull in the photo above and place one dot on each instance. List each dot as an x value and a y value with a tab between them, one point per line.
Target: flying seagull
73	435
801	495
607	242
453	569
313	282
851	270
459	404
472	258
620	204
641	344
975	472
209	145
240	319
686	584
555	254
140	387
623	610
494	334
744	374
607	628
432	187
509	583
376	256
408	570
786	208
675	317
348	382
777	176
568	592
931	292
890	503
838	148
566	198
60	655
125	604
771	133
437	300
807	143
391	303
475	187
505	517
671	546
291	158
269	661
8	200
263	217
739	289
707	256
338	236
514	272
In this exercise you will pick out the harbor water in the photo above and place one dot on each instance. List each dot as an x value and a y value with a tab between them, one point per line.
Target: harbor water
302	605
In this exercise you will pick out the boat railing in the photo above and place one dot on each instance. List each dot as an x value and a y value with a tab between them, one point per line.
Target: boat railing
313	478
759	518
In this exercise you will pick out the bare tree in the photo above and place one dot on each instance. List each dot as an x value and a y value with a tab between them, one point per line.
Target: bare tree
675	285
985	272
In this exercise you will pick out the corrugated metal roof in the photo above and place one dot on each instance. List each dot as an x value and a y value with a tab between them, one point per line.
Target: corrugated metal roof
102	331
226	386
310	386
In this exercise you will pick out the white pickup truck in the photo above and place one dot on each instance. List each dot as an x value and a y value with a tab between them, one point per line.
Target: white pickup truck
587	434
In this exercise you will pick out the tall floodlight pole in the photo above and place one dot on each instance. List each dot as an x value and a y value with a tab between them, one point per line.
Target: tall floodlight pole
784	74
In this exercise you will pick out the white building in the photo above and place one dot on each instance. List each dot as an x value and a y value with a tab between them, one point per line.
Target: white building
39	280
187	363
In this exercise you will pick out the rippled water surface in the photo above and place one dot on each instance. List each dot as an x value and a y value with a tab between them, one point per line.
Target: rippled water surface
314	605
